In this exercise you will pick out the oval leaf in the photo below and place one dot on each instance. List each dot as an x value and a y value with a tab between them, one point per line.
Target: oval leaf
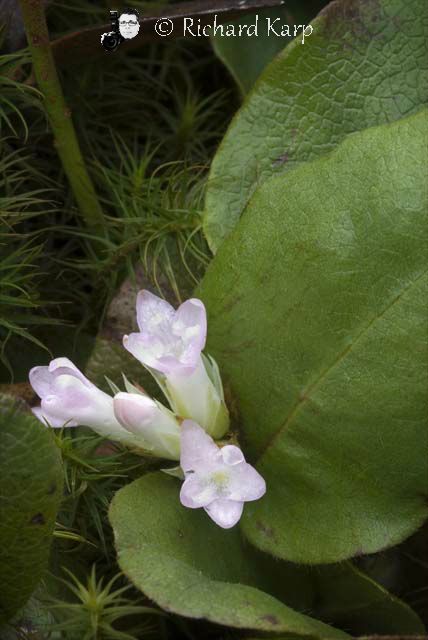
317	317
30	493
188	565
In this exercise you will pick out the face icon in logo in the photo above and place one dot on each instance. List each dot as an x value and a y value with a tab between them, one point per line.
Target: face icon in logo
129	25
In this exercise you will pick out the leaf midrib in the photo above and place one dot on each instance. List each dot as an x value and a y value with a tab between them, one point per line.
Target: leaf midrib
305	396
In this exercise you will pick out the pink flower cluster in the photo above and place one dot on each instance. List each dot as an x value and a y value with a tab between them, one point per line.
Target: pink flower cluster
169	344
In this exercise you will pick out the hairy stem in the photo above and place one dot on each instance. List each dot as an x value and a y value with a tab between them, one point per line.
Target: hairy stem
59	114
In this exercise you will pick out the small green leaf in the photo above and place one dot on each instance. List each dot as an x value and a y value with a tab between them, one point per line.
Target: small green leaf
317	319
180	559
31	484
364	65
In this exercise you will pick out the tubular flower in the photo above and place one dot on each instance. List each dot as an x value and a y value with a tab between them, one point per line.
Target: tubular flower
151	423
69	399
170	343
216	479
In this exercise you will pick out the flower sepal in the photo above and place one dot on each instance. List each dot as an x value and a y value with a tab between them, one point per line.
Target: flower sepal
175	472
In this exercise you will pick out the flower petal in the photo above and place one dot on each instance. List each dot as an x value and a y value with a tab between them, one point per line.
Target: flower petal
225	513
245	483
71	394
68	398
197	492
152	312
64	366
190	323
137	344
41	380
150	350
232	455
198	450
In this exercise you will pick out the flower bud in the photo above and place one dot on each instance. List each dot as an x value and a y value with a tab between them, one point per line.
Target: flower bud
154	427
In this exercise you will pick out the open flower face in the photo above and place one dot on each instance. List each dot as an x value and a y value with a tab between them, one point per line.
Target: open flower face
68	398
169	341
216	479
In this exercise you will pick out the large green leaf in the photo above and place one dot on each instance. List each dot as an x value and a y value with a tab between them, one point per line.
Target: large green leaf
365	64
317	318
180	559
30	492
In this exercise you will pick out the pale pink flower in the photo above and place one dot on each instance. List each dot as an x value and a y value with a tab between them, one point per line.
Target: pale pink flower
170	344
216	479
169	341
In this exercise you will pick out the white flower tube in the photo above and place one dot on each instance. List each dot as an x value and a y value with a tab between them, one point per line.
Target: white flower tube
170	343
195	396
